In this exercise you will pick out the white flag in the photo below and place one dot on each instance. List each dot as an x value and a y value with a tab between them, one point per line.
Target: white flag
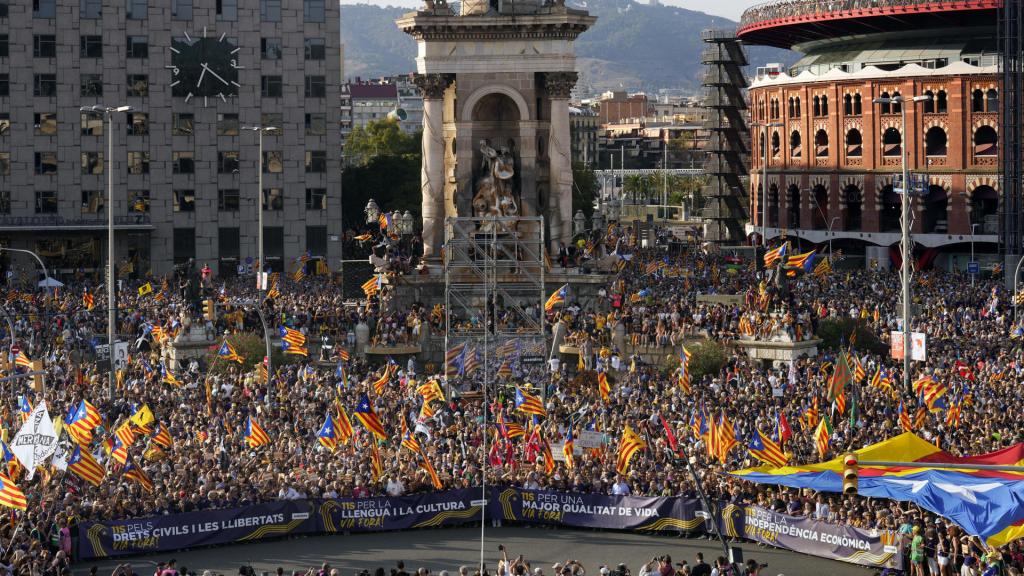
61	456
36	441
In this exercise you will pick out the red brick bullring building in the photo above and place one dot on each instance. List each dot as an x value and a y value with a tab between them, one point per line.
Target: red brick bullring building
832	152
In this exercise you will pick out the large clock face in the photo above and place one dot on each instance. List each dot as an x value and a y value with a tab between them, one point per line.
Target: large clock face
204	68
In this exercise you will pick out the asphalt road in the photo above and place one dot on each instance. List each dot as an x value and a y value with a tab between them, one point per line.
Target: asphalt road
447	549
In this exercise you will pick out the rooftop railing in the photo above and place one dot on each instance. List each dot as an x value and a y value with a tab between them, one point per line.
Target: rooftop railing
770	11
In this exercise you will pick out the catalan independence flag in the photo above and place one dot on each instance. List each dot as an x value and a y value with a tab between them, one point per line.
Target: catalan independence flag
602	385
23	360
381	382
775	255
369	419
766	450
557	297
327	436
529	404
133	472
629	444
372	286
162	436
10	495
88	300
254	434
801	260
227	352
567	449
83	465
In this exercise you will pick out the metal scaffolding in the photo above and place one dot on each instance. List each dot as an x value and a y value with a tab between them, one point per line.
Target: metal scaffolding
494	297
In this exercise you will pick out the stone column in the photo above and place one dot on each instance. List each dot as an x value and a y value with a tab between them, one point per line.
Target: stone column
558	85
432	87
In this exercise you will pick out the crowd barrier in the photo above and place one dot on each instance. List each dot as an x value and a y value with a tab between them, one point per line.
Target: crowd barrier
160	534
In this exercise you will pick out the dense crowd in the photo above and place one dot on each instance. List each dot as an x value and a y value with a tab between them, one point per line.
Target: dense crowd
651	301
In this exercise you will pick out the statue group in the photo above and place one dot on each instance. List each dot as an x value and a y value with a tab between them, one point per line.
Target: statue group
495	196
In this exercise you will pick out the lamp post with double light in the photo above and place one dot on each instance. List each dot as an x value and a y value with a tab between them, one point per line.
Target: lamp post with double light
764	176
264	277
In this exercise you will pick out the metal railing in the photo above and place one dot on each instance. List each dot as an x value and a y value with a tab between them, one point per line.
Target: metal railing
99	221
768	11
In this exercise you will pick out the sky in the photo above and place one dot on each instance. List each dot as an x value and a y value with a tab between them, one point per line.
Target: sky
727	8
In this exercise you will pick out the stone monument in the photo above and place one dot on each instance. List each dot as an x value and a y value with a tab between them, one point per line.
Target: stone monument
495	81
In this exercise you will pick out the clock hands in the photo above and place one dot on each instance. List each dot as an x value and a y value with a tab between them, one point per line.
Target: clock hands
201	74
214	74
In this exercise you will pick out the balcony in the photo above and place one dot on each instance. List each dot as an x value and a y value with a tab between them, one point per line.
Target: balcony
62	224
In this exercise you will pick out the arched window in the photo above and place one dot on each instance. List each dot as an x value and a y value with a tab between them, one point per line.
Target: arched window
817	106
854	144
848	105
884	107
936	217
851	219
776	144
856	105
896	105
929	104
761	149
992	100
986	141
794	144
773	205
977	101
891	142
824	105
819	195
793	207
889	217
985	209
797	115
935	142
792	108
821	144
940	102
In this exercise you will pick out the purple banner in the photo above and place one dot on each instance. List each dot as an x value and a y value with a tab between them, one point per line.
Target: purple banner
876	548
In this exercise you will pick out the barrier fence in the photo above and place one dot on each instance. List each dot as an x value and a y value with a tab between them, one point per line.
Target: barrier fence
158	534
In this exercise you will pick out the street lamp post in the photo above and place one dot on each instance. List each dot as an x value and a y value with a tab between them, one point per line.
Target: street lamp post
831	223
973	276
109	112
905	227
46	275
260	131
764	177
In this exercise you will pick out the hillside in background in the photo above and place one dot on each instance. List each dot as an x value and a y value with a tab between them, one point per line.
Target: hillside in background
633	46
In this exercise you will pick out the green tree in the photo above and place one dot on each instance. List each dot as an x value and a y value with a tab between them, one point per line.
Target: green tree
379	138
584	188
382	163
707	359
252	348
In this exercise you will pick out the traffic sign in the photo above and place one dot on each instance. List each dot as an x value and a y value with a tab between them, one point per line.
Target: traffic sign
973	268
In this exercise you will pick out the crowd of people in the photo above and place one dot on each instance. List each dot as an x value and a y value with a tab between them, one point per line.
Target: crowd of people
652	300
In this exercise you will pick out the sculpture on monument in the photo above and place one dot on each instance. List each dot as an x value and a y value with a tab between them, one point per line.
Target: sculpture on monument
494	194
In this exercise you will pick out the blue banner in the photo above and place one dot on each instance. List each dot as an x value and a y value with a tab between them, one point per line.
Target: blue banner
429	510
595	510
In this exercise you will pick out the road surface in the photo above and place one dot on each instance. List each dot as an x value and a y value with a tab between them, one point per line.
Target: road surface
447	549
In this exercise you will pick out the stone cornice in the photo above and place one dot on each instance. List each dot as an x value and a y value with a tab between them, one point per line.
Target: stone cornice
428	26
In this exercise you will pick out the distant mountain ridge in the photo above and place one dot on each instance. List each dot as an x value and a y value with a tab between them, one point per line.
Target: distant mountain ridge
633	46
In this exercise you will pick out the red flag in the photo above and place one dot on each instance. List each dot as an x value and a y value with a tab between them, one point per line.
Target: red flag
495	455
785	431
669	435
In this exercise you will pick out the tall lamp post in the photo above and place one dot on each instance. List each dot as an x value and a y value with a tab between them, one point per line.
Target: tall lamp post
973	276
764	177
46	275
109	112
260	131
904	226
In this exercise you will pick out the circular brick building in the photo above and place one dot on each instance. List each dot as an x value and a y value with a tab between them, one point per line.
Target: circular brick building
832	152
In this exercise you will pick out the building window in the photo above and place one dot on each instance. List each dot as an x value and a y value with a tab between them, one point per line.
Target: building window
46	202
90	46
817	106
891	141
315	87
316	161
138	162
316	199
92	125
228	244
272	120
824	105
316	124
88	9
185	200
896	103
92	163
92	85
856	105
270	48
138	47
273	242
273	162
138	85
992	100
852	220
316	49
270	10
848	105
183	163
227	162
854	144
227	124
940	102
5	84
44	8
44	46
227	10
3	9
228	200
776	144
273	199
795	147
270	86
5	163
5	49
935	142
181	9
313	10
46	162
93	201
184	245
821	144
140	201
986	141
929	104
884	107
316	240
977	101
137	9
45	123
5	200
138	124
181	124
45	85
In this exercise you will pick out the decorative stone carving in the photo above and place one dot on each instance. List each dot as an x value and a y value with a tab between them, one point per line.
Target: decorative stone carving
494	195
432	86
559	84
